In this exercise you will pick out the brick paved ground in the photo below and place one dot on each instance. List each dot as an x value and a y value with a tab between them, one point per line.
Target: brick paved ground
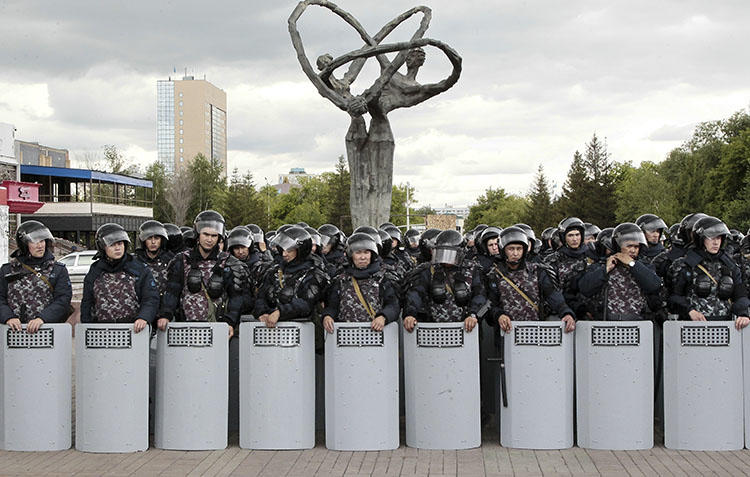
489	460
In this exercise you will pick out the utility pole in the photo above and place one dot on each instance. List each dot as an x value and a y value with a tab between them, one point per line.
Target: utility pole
408	204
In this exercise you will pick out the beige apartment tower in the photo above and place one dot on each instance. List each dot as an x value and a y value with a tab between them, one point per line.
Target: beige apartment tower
191	118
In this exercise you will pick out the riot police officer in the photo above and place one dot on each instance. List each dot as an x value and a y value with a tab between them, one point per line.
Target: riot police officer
174	238
151	250
653	229
517	287
205	283
707	284
292	288
448	289
488	248
364	291
397	248
569	262
411	245
623	288
34	288
332	247
117	288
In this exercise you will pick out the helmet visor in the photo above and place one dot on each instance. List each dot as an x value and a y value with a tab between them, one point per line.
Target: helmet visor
654	225
449	256
151	232
413	240
38	235
630	237
243	240
285	242
114	237
324	240
258	237
361	244
716	230
214	226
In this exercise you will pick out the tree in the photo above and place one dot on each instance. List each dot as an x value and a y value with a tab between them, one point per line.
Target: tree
163	211
179	194
539	213
495	207
575	189
645	190
240	203
115	162
208	184
337	197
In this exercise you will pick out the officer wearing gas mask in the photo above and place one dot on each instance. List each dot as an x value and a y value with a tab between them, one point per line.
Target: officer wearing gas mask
204	283
151	250
117	288
517	287
292	287
448	289
707	284
364	291
623	287
34	288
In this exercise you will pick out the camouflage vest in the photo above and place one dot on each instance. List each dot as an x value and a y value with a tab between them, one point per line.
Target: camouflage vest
29	295
567	268
712	307
624	299
514	305
350	307
115	299
159	268
450	311
198	306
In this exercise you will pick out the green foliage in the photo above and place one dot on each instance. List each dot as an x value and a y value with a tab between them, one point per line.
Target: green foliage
208	184
240	202
115	162
645	190
336	201
496	207
539	213
163	212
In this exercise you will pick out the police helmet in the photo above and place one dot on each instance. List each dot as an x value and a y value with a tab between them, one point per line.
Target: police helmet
710	227
329	235
189	237
627	232
258	235
568	224
240	236
651	223
209	219
590	230
361	241
604	241
412	237
448	247
481	242
30	232
426	243
685	232
530	235
394	232
294	237
151	228
386	244
174	237
316	239
517	235
110	234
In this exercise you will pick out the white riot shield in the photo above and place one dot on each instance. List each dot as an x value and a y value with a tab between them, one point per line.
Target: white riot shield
539	380
615	384
361	395
192	386
111	388
35	388
441	368
703	386
277	386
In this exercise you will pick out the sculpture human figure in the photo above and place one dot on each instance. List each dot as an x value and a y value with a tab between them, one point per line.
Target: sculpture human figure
370	152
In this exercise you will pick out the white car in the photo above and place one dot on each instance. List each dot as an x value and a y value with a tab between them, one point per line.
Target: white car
78	264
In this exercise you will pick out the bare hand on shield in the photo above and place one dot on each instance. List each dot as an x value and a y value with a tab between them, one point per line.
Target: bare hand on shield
162	323
741	322
271	318
409	323
696	315
14	324
378	323
139	325
570	323
504	322
34	325
231	331
328	323
470	322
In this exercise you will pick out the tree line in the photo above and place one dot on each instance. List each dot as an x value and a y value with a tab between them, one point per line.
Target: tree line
710	173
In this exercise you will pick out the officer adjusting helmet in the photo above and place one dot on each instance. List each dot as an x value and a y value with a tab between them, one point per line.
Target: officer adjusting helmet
151	228
603	242
361	241
514	235
258	235
240	236
412	237
710	227
108	235
685	232
625	233
174	237
590	230
394	232
488	234
651	223
30	232
209	219
294	238
386	245
448	248
329	235
426	244
566	225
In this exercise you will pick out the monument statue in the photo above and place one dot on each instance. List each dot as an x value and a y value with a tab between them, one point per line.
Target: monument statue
370	152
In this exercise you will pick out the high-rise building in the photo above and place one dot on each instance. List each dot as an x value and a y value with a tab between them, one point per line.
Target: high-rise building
191	118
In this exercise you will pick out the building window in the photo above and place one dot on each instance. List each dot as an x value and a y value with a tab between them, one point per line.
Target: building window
180	95
180	103
180	112
181	141
181	151
181	159
180	122
181	131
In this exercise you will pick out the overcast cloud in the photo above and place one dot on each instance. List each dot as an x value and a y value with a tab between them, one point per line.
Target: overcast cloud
539	78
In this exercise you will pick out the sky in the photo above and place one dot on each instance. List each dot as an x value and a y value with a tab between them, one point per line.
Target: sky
538	80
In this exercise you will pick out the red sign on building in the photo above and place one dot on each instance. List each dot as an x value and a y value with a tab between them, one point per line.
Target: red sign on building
23	197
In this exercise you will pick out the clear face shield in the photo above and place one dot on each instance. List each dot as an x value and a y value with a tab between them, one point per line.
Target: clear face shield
635	237
38	235
213	226
413	240
284	242
146	233
114	237
446	256
654	225
361	245
716	230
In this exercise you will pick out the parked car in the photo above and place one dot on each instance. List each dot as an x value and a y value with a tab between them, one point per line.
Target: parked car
78	264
